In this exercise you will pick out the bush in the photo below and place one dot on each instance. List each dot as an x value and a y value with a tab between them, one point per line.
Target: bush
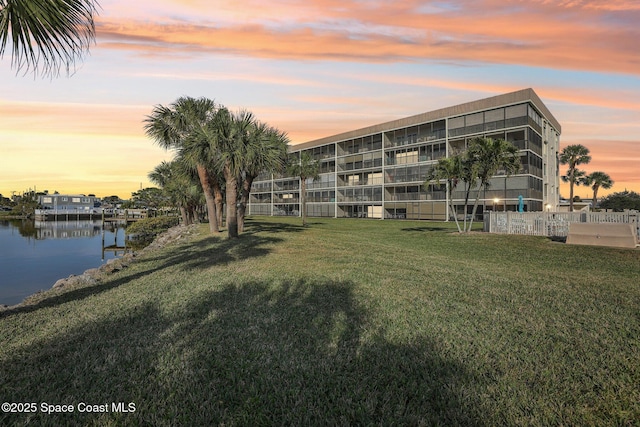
621	201
144	231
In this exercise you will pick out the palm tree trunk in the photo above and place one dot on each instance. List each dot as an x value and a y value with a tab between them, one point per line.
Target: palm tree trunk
205	181
183	214
571	182
452	206
191	215
232	199
466	204
218	201
595	198
303	200
571	196
475	208
455	217
244	200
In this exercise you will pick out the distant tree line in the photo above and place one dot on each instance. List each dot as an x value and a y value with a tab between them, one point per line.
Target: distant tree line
621	201
21	204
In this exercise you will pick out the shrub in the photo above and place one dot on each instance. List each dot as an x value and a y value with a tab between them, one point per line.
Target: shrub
621	201
143	232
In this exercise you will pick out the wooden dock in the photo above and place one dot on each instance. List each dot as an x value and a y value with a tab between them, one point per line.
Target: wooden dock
128	215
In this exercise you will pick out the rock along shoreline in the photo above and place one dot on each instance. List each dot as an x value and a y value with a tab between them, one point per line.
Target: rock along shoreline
94	276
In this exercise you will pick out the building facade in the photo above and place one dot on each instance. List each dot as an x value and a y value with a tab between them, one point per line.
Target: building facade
67	203
379	171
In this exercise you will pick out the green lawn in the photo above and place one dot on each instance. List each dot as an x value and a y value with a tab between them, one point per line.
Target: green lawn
345	322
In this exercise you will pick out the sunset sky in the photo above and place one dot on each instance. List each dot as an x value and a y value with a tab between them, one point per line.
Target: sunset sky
315	68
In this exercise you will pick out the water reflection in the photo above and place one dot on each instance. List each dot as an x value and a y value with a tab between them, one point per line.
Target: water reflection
34	254
26	227
67	229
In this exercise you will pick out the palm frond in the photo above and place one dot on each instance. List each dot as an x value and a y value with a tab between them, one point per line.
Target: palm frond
47	35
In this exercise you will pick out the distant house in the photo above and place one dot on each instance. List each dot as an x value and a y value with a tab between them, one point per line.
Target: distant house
578	206
65	202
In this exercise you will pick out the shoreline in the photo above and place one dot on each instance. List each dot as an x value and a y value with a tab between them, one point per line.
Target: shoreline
8	217
96	275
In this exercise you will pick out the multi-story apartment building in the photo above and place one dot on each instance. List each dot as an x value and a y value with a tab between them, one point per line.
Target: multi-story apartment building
379	171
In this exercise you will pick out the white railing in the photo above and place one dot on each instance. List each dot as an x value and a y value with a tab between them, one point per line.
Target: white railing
552	224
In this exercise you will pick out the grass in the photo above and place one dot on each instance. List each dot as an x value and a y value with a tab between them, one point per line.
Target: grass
345	322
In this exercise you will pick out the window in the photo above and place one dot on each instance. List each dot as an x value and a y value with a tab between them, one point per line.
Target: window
374	178
456	122
494	115
405	157
474	123
474	119
377	142
516	111
494	119
426	153
456	126
439	151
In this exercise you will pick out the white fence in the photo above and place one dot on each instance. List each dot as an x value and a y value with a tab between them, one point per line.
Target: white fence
551	224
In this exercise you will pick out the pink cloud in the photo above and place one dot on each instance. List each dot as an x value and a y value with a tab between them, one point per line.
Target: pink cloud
566	35
98	119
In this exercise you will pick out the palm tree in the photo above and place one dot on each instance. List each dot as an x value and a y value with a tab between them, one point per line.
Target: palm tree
181	186
573	155
449	169
266	151
231	133
184	126
490	155
306	168
200	150
598	180
47	34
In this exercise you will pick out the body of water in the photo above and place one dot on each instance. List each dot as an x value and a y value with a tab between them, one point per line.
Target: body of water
35	254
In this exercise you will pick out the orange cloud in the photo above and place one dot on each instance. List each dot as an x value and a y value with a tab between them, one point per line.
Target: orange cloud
98	119
568	35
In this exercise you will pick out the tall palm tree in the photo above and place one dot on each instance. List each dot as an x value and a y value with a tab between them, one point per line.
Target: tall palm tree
450	170
490	155
184	126
598	180
231	131
305	168
47	35
200	150
573	155
267	150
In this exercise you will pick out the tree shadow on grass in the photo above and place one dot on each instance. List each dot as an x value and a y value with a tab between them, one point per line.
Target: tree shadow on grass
215	250
295	352
430	228
200	254
253	226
